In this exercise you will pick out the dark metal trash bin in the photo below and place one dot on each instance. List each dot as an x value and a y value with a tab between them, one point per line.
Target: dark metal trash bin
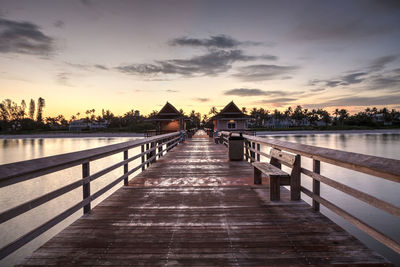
236	147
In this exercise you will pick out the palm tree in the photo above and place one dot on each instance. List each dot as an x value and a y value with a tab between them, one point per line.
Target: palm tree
23	107
343	115
41	104
244	110
213	111
31	109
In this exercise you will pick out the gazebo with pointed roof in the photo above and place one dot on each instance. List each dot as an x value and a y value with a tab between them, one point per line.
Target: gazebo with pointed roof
169	119
231	118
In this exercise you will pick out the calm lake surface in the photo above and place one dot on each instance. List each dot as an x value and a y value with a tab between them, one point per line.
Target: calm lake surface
12	150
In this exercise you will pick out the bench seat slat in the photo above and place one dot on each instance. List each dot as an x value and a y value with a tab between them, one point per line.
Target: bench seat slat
270	170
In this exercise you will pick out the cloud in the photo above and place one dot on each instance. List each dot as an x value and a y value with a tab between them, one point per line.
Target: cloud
59	24
245	92
102	67
387	81
200	99
23	38
211	63
63	78
332	83
318	90
369	75
172	91
275	102
353	78
380	63
257	92
217	41
263	72
364	101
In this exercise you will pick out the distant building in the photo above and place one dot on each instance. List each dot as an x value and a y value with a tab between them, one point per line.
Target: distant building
79	125
231	118
274	122
169	119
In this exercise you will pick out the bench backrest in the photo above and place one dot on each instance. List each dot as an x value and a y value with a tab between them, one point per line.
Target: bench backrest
279	157
292	161
283	156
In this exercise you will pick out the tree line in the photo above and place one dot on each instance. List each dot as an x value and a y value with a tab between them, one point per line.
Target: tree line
20	117
300	117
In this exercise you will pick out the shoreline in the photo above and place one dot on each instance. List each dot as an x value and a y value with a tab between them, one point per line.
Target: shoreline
304	132
68	135
258	133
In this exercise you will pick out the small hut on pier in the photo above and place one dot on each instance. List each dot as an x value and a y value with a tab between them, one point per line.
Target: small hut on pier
169	119
231	118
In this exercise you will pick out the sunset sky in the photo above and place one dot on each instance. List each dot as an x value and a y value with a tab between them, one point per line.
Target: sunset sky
123	55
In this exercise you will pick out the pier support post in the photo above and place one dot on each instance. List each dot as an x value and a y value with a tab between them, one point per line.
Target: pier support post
316	184
126	167
86	186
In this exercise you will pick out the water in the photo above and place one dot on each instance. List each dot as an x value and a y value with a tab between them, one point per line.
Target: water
382	145
12	150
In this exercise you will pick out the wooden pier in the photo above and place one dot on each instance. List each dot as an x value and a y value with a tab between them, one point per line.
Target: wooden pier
194	207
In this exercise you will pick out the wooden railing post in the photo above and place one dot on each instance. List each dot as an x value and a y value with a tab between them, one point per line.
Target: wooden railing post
252	153
160	144
148	155
126	167
295	179
86	186
316	184
143	166
153	152
246	144
258	150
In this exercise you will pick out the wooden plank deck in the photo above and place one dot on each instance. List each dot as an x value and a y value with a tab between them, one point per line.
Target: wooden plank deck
195	208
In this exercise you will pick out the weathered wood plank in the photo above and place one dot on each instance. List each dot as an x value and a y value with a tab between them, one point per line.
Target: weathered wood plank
270	170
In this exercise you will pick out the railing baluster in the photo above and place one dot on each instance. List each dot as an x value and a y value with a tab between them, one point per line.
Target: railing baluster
252	153
258	152
86	186
160	144
316	184
148	155
142	150
126	167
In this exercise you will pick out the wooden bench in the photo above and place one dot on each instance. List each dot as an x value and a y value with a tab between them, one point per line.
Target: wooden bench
276	176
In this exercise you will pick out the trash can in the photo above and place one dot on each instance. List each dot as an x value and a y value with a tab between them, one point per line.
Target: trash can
236	147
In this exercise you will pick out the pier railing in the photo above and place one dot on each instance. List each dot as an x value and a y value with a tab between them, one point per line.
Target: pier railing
151	149
385	168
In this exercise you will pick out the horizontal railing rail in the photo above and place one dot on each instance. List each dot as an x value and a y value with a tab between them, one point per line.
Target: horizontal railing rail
385	168
13	173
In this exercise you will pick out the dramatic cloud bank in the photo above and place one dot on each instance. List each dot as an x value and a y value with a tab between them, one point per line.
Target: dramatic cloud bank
24	38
